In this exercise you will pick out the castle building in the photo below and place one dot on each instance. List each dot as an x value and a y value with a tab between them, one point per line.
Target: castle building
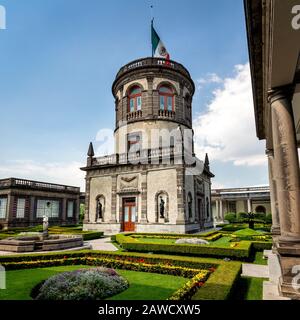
24	203
153	182
237	200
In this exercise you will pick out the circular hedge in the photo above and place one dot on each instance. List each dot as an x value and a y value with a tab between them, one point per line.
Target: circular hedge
83	284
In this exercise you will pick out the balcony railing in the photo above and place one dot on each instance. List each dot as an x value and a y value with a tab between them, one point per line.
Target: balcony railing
142	156
23	183
166	114
134	115
148	62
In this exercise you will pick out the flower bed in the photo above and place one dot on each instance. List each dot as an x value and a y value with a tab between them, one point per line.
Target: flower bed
217	286
83	284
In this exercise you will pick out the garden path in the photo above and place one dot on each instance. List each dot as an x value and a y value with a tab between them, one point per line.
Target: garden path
255	270
102	244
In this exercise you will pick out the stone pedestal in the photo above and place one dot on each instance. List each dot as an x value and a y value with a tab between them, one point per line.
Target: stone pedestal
289	256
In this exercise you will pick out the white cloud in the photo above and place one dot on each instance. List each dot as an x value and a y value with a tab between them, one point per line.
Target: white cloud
210	78
61	173
226	131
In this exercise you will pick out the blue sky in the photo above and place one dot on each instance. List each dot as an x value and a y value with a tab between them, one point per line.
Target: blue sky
58	59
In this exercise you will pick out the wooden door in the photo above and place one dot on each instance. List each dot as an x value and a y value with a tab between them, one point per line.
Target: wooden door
129	214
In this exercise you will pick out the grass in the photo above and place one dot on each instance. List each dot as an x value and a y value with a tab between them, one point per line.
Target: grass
223	241
155	240
149	286
143	286
248	289
259	258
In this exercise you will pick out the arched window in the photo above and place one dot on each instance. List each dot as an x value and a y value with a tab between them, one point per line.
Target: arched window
260	209
166	98
135	99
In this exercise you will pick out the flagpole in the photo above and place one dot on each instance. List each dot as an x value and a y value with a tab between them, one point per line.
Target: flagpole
152	20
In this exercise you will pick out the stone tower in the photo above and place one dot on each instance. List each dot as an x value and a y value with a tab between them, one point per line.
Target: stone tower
153	182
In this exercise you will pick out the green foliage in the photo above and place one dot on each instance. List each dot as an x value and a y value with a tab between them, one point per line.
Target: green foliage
230	217
191	287
91	235
239	251
220	284
247	233
209	236
241	216
269	218
83	284
248	289
68	229
81	212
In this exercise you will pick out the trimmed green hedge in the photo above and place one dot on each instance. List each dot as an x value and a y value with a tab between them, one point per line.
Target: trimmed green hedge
87	235
209	236
240	252
220	284
91	235
261	245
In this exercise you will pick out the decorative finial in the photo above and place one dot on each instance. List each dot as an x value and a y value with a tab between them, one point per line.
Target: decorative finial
206	160
91	152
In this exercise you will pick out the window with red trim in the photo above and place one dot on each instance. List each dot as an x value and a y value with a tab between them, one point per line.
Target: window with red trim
166	98
135	99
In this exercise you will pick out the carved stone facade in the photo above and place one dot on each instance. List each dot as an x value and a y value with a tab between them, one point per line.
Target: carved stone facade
150	184
24	203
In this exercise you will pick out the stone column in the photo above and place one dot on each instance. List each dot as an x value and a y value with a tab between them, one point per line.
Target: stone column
249	206
64	211
32	214
180	196
10	209
274	202
87	200
113	215
286	164
144	198
217	210
221	210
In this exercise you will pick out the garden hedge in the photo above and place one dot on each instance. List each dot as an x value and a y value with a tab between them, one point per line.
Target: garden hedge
223	274
241	252
220	285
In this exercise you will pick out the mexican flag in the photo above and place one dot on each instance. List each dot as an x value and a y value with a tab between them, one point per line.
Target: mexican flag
158	48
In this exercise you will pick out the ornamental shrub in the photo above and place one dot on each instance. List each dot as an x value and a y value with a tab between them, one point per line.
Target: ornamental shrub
83	284
269	218
230	217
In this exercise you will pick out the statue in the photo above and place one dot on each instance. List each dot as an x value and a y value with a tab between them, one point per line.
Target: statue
45	226
99	213
162	208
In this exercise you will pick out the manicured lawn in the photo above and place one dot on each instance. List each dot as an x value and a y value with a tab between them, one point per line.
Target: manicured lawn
223	241
143	286
248	289
149	286
156	240
259	259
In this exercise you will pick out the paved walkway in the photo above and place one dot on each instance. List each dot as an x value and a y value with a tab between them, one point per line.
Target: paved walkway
255	270
103	244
